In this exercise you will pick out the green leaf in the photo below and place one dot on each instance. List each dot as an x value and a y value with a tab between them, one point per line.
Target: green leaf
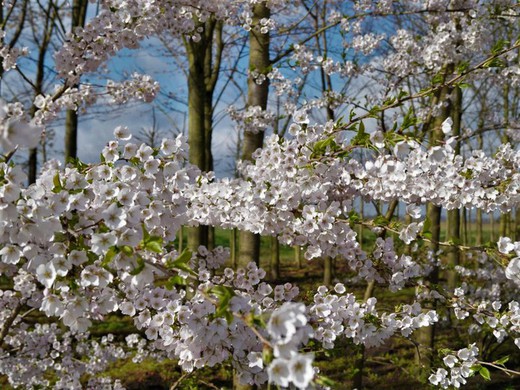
127	250
57	184
438	78
353	217
140	267
175	280
495	63
462	67
484	373
154	244
502	360
325	381
500	45
111	253
321	146
183	267
381	221
402	94
409	120
181	262
362	138
183	258
224	295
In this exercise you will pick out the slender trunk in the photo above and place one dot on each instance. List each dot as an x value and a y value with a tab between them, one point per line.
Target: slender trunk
369	292
357	380
328	271
233	248
38	83
504	218
196	130
453	230
249	243
479	237
275	259
426	335
492	221
71	135
79	14
212	61
517	224
298	256
465	238
504	222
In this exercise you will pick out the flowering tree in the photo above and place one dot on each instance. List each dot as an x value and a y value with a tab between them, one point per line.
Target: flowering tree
88	240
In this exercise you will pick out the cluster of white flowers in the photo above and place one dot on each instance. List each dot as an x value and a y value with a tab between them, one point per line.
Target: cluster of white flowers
460	365
140	87
46	347
340	314
14	130
86	241
288	330
10	55
253	119
506	246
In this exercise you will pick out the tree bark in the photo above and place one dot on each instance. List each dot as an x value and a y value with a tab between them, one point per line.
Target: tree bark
196	126
79	14
249	243
274	268
257	94
453	234
426	335
202	78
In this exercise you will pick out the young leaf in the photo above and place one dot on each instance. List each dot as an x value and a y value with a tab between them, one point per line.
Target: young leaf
140	267
484	373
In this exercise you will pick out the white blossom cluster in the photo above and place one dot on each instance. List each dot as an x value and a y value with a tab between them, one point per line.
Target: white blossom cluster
9	54
339	314
90	240
109	226
15	131
252	120
140	87
44	348
460	365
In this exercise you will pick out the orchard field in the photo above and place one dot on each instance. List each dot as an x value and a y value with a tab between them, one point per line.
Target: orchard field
259	194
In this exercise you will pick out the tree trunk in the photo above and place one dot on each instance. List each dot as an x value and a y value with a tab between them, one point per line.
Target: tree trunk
79	14
328	271
196	125
479	237
233	248
274	268
71	135
517	224
453	233
426	335
249	243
